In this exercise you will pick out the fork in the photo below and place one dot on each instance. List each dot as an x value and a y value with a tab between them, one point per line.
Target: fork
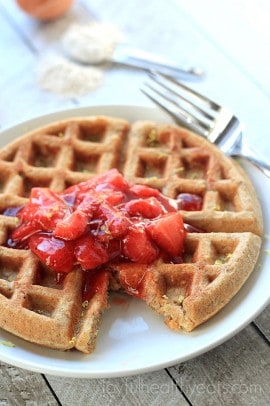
202	115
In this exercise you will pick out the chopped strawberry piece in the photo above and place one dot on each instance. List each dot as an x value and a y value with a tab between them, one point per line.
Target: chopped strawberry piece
132	279
144	191
24	231
55	253
168	204
138	247
90	253
168	233
45	197
45	208
111	178
88	203
189	202
149	207
115	221
114	198
82	187
118	226
71	227
71	192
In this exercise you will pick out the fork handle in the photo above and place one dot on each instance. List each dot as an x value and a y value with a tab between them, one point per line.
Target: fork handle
147	61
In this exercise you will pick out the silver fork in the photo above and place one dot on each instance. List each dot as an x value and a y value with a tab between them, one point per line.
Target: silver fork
202	115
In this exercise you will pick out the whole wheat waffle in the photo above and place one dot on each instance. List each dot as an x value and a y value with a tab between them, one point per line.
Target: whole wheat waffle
36	307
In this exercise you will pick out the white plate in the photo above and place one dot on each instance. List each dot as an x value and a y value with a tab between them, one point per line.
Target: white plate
132	338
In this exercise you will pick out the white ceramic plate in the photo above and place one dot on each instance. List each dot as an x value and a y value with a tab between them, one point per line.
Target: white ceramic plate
132	338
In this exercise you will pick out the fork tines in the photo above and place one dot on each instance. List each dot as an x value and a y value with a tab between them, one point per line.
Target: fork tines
187	107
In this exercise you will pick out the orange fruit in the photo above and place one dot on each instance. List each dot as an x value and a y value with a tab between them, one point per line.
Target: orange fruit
45	9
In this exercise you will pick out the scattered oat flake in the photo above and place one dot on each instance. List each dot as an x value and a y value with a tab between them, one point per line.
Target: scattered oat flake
223	260
152	139
85	304
72	341
181	299
179	170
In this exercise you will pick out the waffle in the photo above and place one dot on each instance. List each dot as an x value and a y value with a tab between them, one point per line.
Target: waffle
219	255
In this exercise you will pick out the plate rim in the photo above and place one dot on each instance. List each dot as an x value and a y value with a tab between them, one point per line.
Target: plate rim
6	356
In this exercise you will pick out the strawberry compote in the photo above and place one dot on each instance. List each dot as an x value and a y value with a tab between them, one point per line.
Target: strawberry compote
99	221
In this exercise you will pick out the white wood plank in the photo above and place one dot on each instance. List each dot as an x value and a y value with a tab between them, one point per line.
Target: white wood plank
155	389
44	35
21	98
236	373
19	387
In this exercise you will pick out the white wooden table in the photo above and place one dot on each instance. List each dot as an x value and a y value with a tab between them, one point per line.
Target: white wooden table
230	41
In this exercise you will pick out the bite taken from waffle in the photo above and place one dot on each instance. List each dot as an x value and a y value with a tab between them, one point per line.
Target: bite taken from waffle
96	204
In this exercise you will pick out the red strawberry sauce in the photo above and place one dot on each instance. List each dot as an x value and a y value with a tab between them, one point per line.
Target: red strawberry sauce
101	221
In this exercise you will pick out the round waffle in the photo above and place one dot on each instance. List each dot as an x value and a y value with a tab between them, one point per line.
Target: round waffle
217	261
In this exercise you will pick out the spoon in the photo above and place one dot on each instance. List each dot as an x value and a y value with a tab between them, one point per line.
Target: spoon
96	53
98	43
